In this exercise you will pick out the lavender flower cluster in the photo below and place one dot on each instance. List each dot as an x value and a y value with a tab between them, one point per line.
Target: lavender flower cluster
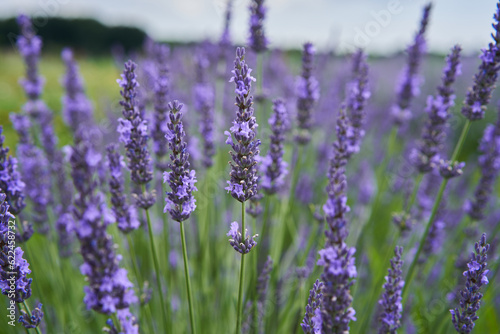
236	240
180	201
12	273
204	99
409	83
464	318
125	215
274	168
479	95
489	163
243	179
161	90
108	288
257	40
391	300
307	95
426	155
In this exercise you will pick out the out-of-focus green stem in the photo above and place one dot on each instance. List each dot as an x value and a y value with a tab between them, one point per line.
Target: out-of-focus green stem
157	268
391	146
188	280
242	274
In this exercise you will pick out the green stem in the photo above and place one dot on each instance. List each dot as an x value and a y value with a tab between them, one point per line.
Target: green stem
413	197
242	274
37	330
435	207
140	281
380	174
157	268
188	280
421	244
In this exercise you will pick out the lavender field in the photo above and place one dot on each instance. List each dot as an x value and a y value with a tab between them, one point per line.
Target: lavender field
220	187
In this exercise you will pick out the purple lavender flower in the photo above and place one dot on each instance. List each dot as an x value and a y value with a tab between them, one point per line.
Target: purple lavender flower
464	318
274	168
426	155
449	169
133	131
76	108
225	38
243	182
108	289
204	97
310	324
357	95
35	170
34	320
240	245
337	258
180	201
30	46
307	93
10	179
257	40
161	90
408	85
479	95
12	274
489	162
127	321
391	300
125	215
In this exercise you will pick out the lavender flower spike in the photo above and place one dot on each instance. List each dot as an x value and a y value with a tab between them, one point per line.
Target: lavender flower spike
465	317
30	47
426	155
125	215
77	110
257	41
180	201
337	258
408	86
357	95
479	95
108	289
225	38
391	300
35	170
274	168
17	273
489	162
312	319
308	94
34	320
161	91
134	134
243	175
204	100
10	179
240	245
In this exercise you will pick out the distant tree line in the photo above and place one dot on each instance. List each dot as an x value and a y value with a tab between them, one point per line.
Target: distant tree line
85	35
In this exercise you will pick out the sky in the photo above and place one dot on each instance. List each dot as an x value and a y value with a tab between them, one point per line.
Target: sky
379	26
